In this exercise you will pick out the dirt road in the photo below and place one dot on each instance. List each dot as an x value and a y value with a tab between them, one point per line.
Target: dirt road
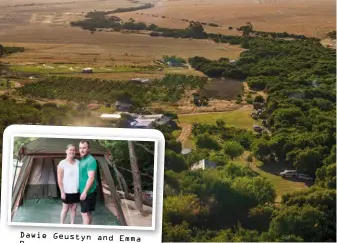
186	130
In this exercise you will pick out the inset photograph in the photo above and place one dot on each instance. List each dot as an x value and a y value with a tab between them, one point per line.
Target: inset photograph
77	181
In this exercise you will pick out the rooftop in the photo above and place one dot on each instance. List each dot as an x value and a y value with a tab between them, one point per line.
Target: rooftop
114	116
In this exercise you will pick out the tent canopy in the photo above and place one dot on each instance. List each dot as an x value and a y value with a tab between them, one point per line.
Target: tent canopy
58	146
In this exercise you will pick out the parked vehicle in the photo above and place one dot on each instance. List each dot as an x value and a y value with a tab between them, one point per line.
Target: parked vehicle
257	128
289	173
305	177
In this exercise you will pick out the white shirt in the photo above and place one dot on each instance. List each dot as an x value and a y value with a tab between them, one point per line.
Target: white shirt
70	176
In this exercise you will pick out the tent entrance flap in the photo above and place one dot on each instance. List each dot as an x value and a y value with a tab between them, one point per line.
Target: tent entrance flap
42	180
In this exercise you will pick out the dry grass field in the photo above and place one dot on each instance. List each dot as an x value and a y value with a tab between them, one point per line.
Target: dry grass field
44	28
73	45
45	32
308	17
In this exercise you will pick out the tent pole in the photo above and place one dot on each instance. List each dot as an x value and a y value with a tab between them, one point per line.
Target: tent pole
113	191
16	168
21	178
19	194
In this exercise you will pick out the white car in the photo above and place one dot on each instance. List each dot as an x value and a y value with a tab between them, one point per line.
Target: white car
305	177
289	173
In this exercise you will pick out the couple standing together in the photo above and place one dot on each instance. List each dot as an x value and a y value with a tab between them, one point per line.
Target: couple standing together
77	183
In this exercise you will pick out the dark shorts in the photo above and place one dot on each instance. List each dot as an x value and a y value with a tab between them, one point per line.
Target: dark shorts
88	205
71	198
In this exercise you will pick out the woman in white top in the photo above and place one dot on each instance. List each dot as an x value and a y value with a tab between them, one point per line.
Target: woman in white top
68	181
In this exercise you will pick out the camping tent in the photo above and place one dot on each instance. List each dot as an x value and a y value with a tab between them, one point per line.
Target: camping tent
36	196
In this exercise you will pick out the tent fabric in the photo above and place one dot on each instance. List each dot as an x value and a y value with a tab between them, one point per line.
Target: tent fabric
58	146
42	180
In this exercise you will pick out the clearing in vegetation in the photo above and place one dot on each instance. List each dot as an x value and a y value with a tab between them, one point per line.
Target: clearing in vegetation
271	172
222	89
239	118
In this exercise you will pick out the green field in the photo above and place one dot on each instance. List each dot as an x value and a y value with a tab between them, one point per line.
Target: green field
104	109
237	118
271	172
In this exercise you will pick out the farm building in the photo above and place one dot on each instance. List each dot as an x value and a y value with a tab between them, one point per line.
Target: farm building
147	121
174	64
203	164
87	70
114	116
123	105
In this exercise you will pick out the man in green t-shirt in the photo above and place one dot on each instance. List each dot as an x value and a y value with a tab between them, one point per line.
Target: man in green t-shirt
87	183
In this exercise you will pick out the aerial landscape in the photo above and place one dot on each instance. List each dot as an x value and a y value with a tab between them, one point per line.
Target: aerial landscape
243	91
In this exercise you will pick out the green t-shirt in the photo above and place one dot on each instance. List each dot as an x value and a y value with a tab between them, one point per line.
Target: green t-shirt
88	163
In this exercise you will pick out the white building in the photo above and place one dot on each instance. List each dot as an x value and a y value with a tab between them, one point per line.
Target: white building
111	116
147	121
87	70
203	164
140	121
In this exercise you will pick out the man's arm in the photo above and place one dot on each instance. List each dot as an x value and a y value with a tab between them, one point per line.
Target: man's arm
90	181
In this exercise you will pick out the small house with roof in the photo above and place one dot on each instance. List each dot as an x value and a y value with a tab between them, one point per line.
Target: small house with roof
203	164
123	104
148	121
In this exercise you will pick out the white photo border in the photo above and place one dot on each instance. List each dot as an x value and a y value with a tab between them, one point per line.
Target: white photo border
99	133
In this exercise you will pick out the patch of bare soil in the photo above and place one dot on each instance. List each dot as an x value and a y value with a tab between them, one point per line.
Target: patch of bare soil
186	130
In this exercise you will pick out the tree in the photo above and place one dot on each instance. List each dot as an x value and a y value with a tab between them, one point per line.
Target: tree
306	222
136	178
206	141
124	121
196	30
233	149
181	208
174	161
219	158
220	123
2	50
176	233
258	189
259	98
260	217
308	161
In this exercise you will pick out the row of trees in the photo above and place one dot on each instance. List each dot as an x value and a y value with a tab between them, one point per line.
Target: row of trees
169	88
7	50
98	20
119	10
